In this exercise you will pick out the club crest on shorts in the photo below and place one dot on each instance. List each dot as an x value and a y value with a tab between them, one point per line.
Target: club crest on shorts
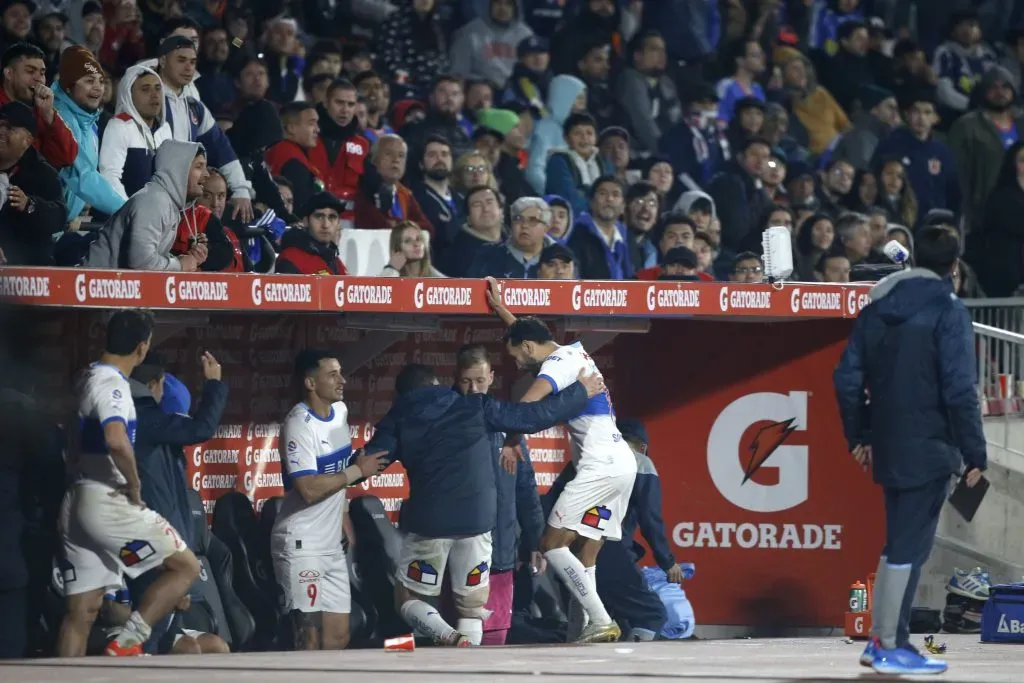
597	517
422	572
476	574
133	552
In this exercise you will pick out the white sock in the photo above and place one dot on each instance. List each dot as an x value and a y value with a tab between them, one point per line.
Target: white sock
134	632
472	629
573	574
426	621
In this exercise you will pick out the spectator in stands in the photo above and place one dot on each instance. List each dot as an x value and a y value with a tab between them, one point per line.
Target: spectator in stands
281	50
595	23
679	263
642	209
292	157
77	99
531	75
613	145
16	22
199	224
312	249
704	248
139	236
256	129
325	58
929	163
961	62
499	135
835	184
747	268
413	41
571	173
566	96
853	234
24	70
647	92
747	122
375	92
444	118
815	237
91	29
774	178
50	36
826	18
1013	59
673	230
738	193
995	245
696	147
599	239
980	138
879	116
748	60
185	28
473	169
341	151
130	141
895	195
594	68
486	47
410	254
33	207
484	227
251	83
833	266
382	200
561	218
818	112
910	71
849	69
191	121
878	221
557	262
217	88
440	204
519	256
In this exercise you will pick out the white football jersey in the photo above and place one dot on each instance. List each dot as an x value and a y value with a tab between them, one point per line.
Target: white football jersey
103	396
596	440
311	445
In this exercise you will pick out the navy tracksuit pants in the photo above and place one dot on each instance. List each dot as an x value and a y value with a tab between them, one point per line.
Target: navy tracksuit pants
624	592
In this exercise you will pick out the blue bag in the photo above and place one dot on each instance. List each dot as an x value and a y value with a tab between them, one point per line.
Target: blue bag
1002	620
681	621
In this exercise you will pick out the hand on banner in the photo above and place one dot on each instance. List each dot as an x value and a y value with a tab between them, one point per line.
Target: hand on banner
862	454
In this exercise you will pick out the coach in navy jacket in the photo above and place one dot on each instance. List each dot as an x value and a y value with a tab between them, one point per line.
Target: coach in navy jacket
518	505
444	440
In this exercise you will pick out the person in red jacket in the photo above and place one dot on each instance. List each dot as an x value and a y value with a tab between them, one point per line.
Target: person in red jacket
292	158
24	69
383	201
341	152
313	250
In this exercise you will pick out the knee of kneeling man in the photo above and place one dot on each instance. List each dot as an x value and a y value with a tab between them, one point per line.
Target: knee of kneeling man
187	645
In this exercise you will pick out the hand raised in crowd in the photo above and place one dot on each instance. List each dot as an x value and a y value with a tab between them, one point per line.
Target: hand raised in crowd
241	209
17	198
211	368
372	463
42	96
594	383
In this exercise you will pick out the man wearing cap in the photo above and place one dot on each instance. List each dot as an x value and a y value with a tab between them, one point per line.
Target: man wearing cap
980	137
531	75
78	94
647	92
557	262
485	47
520	255
31	198
24	69
313	249
680	263
90	30
879	116
696	146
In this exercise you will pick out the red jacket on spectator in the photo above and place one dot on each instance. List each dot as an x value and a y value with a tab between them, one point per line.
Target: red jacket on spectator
301	254
294	162
223	254
340	155
654	272
369	217
54	141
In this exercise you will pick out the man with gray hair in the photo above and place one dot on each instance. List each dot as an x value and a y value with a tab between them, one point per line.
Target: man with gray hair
519	256
383	201
854	233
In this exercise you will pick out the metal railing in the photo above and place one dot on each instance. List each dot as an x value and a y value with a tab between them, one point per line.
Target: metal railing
1000	361
1005	314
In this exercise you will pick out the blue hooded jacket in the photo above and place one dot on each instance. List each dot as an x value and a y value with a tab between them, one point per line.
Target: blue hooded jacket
912	354
547	134
444	440
598	261
82	181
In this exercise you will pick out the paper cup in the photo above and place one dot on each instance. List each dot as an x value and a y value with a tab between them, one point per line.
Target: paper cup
406	643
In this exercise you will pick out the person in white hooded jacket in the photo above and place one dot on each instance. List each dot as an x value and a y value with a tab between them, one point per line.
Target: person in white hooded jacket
139	127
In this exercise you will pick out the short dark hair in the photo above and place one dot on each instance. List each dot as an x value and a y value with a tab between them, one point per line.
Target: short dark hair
127	329
151	369
246	61
19	51
307	362
341	84
578	119
745	256
937	248
703	237
481	188
528	329
310	83
675	218
471	355
325	46
639	189
639	40
435	139
281	180
414	376
604	180
291	110
445	78
836	251
755	140
171	25
358	79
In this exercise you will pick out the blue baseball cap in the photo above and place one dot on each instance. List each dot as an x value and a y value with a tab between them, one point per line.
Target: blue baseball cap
532	45
632	429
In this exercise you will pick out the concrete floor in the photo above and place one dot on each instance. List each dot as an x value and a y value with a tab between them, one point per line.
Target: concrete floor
731	661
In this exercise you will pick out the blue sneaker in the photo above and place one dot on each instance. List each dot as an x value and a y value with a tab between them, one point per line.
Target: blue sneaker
972	584
868	656
906	661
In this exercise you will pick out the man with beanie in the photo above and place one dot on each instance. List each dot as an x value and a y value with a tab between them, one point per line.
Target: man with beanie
78	95
907	391
879	116
485	48
313	248
980	138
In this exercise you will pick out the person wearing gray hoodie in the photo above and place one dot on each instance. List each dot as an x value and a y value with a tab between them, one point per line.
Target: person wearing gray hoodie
485	48
139	236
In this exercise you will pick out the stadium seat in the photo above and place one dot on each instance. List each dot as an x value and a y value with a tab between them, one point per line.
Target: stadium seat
235	523
233	621
375	560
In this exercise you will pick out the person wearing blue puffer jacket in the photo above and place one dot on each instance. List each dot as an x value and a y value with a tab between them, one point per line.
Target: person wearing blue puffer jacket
566	95
76	95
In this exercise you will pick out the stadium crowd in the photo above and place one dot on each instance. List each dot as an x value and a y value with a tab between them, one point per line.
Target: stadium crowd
597	139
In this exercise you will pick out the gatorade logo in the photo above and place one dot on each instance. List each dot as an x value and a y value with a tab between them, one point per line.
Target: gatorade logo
1009	625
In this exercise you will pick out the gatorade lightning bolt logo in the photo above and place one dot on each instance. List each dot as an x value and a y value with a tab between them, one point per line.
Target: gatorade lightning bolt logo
765	443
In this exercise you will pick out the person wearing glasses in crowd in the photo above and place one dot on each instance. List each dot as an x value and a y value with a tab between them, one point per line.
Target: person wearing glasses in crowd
519	256
642	208
747	268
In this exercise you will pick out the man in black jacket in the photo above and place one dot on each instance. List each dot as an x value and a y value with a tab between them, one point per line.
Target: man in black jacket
907	392
31	197
444	441
739	194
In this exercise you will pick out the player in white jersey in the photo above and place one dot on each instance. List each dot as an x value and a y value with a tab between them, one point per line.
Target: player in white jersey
592	506
305	544
106	529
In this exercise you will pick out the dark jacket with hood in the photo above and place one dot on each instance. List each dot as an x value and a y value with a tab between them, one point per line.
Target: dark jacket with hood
740	202
26	237
907	382
996	246
444	441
